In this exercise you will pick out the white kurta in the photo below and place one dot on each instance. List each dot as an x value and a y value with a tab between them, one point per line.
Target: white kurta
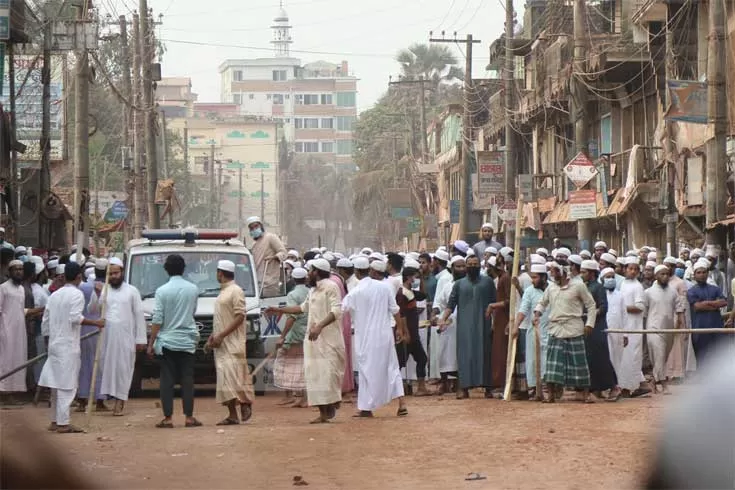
631	376
62	319
662	305
431	348
372	305
615	321
124	328
13	337
447	340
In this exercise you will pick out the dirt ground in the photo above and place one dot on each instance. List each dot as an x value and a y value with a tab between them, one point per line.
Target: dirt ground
514	444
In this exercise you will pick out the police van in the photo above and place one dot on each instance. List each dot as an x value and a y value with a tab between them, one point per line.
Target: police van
201	250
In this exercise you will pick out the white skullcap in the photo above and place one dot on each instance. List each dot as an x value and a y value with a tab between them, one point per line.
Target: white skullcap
226	265
538	268
291	263
670	260
411	264
506	252
491	250
377	256
645	248
73	258
293	253
315	250
492	261
631	253
52	264
684	249
339	255
378	265
441	255
361	263
117	262
89	273
680	263
556	265
309	264
322	265
323	249
20	248
701	264
612	251
15	263
253	219
601	245
606	271
585	254
299	273
344	264
652	256
623	260
329	256
402	254
554	252
590	265
100	264
660	268
575	259
486	225
632	261
470	253
413	255
537	259
542	251
442	247
461	245
39	267
564	251
608	257
35	259
650	264
60	269
697	251
2	229
366	251
455	259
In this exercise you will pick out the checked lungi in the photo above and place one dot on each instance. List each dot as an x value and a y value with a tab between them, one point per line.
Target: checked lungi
566	362
288	369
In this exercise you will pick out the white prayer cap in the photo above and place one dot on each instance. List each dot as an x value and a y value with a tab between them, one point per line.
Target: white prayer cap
623	260
35	259
652	256
413	255
344	264
698	252
315	250
458	258
631	253
556	265
15	263
538	269
585	254
100	264
660	268
684	249
377	256
486	226
339	255
606	271
329	256
632	261
650	264
402	254
20	249
461	245
554	252
60	269
590	265
411	264
470	253
323	249
680	263
52	264
491	250
366	251
564	251
89	273
225	265
293	253
537	259
542	251
299	273
39	267
117	262
253	219
441	255
361	263
322	265
601	245
523	268
575	259
700	264
670	260
291	263
645	248
492	261
309	264
2	229
506	252
378	265
608	257
73	258
612	251
442	247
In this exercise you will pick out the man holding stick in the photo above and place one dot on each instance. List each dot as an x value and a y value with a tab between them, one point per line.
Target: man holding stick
62	321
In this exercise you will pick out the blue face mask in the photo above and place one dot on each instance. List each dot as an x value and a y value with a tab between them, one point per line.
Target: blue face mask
609	283
416	284
256	233
679	273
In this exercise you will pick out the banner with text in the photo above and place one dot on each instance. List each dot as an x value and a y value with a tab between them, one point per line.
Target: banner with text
490	178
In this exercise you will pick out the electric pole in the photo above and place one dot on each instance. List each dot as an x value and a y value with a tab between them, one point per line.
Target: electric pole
138	149
147	55
579	105
13	211
164	146
239	200
44	234
422	112
262	196
669	156
219	193
127	119
509	87
466	177
212	198
717	104
81	145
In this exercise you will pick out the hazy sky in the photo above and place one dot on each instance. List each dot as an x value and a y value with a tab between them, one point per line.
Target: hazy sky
365	33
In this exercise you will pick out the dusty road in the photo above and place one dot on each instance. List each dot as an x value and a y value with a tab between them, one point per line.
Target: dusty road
516	445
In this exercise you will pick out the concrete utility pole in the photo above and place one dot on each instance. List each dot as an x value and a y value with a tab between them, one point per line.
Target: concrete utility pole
127	118
164	145
138	148
147	55
13	211
239	200
262	196
670	57
81	148
716	148
508	88
220	191
464	190
421	82
212	198
579	105
44	233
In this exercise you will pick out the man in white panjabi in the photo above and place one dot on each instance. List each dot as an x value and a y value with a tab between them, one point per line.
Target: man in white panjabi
125	332
614	318
372	306
13	335
62	322
447	340
665	311
632	295
324	350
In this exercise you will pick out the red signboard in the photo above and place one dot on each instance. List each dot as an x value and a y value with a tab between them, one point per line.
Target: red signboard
582	204
580	170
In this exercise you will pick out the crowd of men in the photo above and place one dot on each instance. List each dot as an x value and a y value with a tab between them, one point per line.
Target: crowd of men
371	322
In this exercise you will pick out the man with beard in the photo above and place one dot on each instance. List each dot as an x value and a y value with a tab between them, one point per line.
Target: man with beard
268	254
633	308
486	240
13	334
407	300
665	311
600	248
471	296
91	291
126	331
442	274
448	337
500	311
705	300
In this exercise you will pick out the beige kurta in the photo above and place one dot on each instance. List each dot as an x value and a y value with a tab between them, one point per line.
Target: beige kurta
230	359
269	246
324	358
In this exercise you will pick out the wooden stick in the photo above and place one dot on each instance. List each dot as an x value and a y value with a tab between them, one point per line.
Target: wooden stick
671	330
512	344
537	367
260	366
91	400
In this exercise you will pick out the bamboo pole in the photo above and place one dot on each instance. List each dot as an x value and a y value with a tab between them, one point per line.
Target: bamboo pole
91	400
512	343
672	330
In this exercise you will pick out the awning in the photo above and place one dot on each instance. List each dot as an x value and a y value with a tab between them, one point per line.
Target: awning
447	158
730	220
560	214
622	200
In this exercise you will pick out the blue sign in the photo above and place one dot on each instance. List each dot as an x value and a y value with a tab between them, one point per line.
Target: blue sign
272	328
118	212
454	211
401	213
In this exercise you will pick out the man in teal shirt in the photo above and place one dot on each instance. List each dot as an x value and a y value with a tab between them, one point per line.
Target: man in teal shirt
174	339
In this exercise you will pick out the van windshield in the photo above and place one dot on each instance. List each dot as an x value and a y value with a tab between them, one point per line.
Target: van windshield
147	274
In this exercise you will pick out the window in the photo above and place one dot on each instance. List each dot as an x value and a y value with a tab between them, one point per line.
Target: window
344	147
279	75
237	99
327	123
307	147
346	99
327	146
237	75
307	99
326	99
311	123
278	99
288	96
268	97
251	96
345	123
298	123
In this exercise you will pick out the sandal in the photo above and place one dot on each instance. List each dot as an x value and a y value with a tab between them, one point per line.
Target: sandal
246	411
69	429
165	424
52	427
363	414
193	423
319	420
228	421
402	412
118	410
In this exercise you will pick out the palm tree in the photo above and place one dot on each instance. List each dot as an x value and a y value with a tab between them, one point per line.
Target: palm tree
434	61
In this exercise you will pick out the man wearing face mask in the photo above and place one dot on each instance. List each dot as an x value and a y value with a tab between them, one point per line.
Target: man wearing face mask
500	311
448	337
13	337
407	299
471	296
614	318
268	254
